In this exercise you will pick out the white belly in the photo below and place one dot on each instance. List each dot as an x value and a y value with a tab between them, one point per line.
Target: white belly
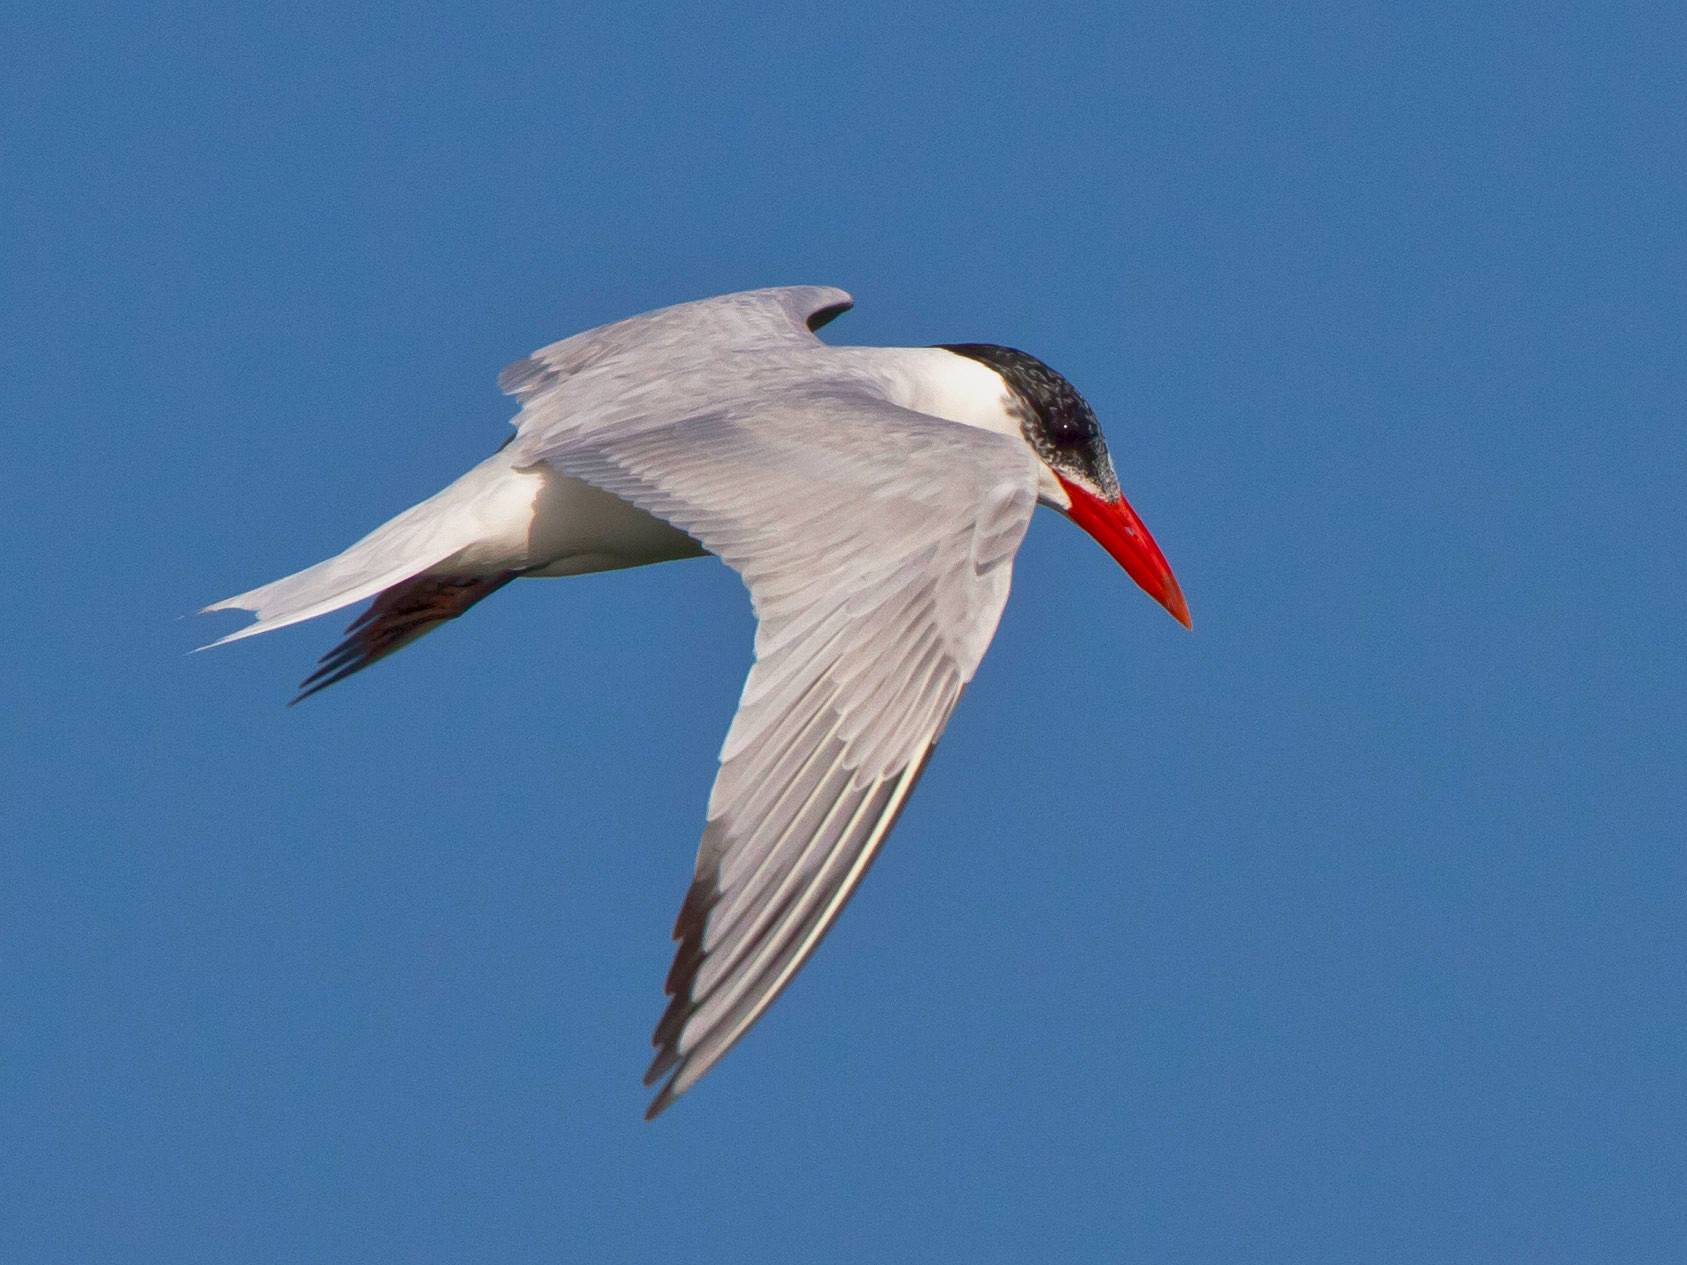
548	524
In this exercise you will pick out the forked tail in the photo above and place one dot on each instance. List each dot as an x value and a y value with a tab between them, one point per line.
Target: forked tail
418	540
414	566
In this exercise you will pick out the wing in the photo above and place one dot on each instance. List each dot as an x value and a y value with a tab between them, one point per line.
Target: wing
877	545
694	333
397	617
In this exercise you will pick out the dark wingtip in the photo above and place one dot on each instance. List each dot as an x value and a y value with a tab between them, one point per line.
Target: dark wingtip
320	680
700	898
826	315
661	1102
397	617
667	1058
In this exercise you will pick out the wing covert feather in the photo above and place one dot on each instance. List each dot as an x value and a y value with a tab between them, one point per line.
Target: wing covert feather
747	321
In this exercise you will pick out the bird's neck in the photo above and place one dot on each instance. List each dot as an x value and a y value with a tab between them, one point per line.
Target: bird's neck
939	383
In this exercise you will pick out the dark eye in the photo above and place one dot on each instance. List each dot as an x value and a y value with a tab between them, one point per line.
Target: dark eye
1069	435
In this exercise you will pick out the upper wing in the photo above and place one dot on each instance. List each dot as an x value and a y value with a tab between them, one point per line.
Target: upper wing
877	544
752	320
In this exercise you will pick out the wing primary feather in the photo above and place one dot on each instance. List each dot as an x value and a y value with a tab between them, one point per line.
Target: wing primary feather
886	818
735	966
741	888
794	918
791	734
689	1066
706	892
757	913
397	617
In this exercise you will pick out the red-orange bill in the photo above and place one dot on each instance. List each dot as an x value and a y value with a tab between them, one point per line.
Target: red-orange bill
1116	527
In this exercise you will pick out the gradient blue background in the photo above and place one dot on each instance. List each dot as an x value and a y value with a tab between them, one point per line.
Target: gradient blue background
1349	928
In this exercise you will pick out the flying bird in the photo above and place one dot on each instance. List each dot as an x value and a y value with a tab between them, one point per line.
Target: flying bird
871	498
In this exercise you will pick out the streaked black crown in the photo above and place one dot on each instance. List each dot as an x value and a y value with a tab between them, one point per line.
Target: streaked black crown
1056	421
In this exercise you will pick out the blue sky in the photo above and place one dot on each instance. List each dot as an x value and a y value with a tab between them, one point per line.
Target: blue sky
1347	928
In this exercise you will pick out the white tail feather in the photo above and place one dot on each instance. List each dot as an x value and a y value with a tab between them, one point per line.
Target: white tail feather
490	506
